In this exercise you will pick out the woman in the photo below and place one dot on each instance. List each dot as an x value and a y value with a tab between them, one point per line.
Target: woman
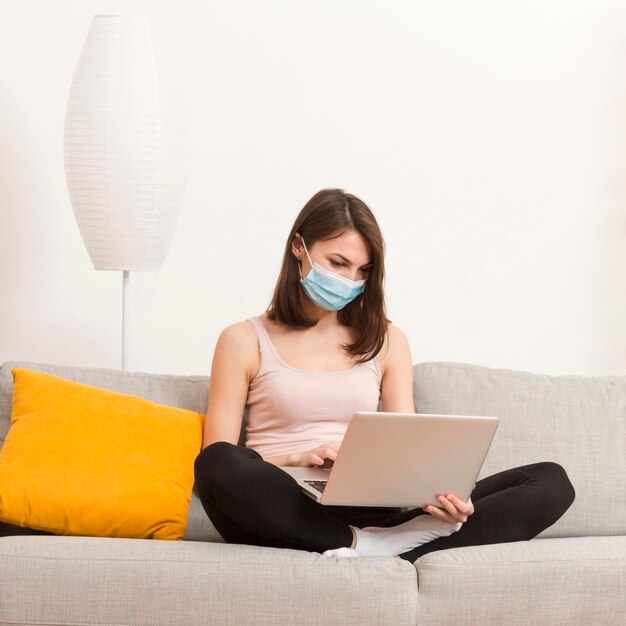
324	349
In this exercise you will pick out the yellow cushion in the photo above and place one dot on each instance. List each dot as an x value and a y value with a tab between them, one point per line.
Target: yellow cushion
79	460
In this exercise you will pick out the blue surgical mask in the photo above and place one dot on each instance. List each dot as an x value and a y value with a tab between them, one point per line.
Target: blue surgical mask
327	289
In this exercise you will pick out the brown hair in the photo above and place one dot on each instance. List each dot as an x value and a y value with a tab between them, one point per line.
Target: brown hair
328	214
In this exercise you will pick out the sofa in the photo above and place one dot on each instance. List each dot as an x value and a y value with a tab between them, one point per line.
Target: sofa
574	572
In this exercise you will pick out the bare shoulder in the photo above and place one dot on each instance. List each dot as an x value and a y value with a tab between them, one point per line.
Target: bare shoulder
395	347
240	330
395	333
394	338
241	340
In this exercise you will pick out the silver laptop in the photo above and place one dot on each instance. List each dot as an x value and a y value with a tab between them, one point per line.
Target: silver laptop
401	460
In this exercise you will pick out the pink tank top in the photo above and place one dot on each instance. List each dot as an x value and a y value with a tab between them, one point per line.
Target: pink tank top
292	410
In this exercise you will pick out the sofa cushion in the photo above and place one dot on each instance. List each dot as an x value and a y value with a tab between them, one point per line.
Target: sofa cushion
99	580
543	581
80	460
576	421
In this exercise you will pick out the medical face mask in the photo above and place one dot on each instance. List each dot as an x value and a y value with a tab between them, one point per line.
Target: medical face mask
327	289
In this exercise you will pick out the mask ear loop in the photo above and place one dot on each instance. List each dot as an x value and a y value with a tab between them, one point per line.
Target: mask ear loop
307	254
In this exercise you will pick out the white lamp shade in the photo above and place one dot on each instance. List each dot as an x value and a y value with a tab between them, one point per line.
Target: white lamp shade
125	147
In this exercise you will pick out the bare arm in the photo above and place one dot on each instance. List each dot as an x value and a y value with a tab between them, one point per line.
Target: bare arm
233	362
307	458
397	383
284	460
397	397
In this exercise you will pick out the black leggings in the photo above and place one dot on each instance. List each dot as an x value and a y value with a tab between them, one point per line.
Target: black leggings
254	502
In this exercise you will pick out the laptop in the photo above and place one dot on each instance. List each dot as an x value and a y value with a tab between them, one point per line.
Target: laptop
401	460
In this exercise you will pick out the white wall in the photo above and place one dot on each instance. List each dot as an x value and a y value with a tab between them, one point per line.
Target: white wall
489	139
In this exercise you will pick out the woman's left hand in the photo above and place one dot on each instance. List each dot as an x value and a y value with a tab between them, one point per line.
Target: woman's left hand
454	509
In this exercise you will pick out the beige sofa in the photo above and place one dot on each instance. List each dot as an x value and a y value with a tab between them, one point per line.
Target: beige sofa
573	573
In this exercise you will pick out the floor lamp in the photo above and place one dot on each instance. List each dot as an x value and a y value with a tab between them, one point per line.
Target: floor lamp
125	151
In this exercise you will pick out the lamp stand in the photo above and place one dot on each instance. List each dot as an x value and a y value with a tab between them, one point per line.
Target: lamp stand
125	334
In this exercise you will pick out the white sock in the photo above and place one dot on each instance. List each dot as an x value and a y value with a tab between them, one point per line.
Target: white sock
394	540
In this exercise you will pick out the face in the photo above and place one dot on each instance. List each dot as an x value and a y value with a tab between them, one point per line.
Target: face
347	255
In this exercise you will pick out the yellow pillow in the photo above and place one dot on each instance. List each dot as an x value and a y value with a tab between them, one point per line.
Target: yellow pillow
79	460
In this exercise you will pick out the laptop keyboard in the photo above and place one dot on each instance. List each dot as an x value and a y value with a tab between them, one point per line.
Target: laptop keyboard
317	484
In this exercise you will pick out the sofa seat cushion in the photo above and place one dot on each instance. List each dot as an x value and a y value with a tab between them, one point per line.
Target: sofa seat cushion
566	581
103	580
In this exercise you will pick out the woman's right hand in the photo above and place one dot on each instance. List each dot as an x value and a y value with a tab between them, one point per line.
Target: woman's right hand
316	456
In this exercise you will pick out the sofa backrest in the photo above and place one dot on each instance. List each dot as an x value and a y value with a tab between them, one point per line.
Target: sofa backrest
576	421
185	392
